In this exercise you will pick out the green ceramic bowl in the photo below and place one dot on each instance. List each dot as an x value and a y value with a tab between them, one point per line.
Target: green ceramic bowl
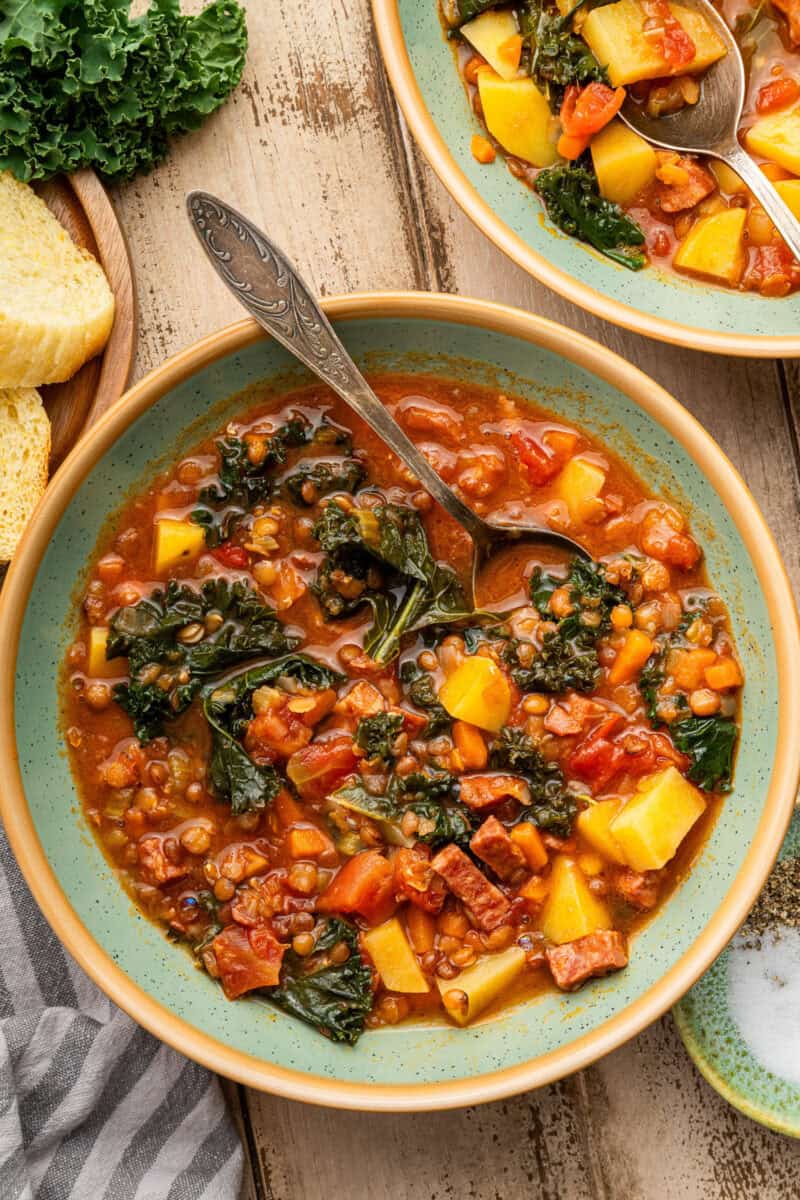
412	1066
652	301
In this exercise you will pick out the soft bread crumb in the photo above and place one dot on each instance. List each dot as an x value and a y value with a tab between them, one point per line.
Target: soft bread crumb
24	454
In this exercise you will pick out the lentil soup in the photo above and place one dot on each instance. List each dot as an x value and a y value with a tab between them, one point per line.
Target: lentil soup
344	790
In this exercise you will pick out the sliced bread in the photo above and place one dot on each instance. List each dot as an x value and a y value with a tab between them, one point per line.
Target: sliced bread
56	308
24	454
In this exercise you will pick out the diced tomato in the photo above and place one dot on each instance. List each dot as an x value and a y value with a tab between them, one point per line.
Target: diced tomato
155	865
541	464
777	94
657	748
661	536
584	112
277	733
235	557
485	791
416	880
316	770
247	959
774	270
364	885
597	759
674	43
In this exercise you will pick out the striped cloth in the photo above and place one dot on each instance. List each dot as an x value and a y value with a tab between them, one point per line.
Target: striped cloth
91	1106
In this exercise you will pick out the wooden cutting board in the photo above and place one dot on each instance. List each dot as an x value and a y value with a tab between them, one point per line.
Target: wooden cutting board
81	204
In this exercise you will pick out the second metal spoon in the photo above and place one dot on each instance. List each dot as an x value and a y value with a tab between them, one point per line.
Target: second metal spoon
266	283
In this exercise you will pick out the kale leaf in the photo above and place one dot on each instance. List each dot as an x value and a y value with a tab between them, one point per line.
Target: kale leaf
553	54
709	742
572	198
341	475
246	785
388	541
147	633
458	12
552	806
421	691
375	735
430	794
333	997
84	83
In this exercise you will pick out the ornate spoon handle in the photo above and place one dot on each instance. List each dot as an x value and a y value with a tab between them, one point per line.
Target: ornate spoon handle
267	285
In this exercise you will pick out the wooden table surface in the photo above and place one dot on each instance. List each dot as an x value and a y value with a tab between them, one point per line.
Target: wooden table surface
313	149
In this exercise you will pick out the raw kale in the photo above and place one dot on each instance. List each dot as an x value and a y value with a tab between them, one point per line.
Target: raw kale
709	742
417	590
244	784
567	660
421	691
375	735
147	634
552	807
573	202
342	475
553	55
242	483
333	997
84	83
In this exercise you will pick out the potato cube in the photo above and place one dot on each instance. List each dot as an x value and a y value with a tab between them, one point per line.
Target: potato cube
579	485
776	137
616	37
466	996
176	541
518	115
593	826
100	667
478	692
729	182
571	910
395	961
714	247
789	192
623	161
656	819
489	33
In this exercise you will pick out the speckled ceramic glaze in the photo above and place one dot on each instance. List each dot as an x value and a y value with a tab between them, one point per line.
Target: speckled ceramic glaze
724	1017
412	1066
652	301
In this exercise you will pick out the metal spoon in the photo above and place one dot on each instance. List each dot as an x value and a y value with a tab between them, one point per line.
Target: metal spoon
265	282
710	126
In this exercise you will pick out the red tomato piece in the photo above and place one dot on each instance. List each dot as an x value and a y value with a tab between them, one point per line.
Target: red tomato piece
232	556
316	770
416	880
777	94
277	733
674	43
597	759
585	111
539	462
365	885
247	959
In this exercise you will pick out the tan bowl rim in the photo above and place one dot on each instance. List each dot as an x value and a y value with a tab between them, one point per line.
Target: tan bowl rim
401	73
296	1085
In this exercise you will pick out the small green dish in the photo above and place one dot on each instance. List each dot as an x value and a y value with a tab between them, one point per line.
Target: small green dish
432	1064
741	1022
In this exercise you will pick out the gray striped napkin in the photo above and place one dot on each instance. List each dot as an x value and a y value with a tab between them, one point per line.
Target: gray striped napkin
91	1106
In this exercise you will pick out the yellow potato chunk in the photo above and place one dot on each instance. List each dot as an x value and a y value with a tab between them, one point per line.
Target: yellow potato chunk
623	162
571	910
616	37
176	541
789	191
593	826
579	485
395	961
714	247
478	692
474	989
776	137
518	115
656	819
729	182
100	667
488	33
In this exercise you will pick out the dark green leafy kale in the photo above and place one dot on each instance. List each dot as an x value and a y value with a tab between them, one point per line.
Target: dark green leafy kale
83	83
430	794
150	632
651	678
709	742
246	477
552	806
380	556
321	478
567	660
246	785
333	997
572	198
421	691
209	904
376	735
554	55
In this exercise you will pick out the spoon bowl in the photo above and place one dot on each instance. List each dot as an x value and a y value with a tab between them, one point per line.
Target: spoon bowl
711	126
266	283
